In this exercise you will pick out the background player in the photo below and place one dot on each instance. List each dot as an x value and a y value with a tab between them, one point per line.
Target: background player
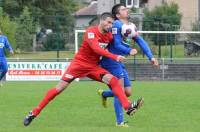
85	63
120	46
4	44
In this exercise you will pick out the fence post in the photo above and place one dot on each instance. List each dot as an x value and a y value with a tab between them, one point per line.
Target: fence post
163	69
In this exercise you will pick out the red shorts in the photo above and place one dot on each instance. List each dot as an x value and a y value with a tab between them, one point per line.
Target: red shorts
78	70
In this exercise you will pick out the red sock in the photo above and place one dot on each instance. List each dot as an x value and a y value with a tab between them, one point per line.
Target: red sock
118	91
48	97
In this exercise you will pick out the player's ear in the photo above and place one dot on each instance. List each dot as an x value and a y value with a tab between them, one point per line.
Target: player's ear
117	15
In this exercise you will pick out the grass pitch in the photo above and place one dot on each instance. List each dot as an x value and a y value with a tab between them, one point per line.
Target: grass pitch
168	107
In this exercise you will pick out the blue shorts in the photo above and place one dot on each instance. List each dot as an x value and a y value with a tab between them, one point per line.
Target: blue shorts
120	72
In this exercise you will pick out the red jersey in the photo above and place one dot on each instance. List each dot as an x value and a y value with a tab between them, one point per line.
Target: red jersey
93	46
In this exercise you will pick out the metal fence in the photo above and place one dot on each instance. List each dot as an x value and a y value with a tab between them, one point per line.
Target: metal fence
169	69
141	69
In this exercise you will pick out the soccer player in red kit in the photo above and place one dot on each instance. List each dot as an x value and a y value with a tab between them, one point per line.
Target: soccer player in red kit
85	64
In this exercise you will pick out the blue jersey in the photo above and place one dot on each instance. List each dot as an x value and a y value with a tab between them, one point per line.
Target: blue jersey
120	47
3	45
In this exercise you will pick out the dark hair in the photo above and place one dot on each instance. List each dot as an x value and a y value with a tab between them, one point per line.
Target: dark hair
115	10
104	15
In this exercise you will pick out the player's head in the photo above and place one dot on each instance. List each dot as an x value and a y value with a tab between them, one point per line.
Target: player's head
119	11
106	20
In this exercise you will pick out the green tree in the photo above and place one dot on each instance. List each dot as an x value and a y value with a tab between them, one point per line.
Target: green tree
12	7
25	30
163	18
50	14
45	11
8	27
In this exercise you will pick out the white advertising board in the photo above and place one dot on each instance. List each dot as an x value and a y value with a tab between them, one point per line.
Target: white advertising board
35	71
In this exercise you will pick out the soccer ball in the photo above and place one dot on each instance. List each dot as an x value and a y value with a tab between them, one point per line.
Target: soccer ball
129	31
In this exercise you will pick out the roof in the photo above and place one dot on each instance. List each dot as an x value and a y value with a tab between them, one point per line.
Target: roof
89	10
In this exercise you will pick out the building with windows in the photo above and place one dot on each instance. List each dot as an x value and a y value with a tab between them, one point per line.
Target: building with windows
190	10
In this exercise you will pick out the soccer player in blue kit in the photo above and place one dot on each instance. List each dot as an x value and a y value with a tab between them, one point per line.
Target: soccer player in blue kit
3	62
121	47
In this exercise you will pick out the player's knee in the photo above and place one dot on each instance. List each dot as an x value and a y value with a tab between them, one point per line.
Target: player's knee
128	92
107	78
62	85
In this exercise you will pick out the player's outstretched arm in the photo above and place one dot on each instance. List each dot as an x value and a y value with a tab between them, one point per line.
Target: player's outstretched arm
144	46
117	40
7	45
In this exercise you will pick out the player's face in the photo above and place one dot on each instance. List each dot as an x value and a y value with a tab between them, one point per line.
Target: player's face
107	24
123	13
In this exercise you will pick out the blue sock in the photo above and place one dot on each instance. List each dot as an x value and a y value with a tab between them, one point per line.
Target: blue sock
118	111
107	93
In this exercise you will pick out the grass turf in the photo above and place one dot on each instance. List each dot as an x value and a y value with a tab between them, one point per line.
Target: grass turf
169	106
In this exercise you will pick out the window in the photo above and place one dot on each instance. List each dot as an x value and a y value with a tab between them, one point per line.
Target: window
132	3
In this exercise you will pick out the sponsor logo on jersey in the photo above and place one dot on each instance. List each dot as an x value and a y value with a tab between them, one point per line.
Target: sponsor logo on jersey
90	35
69	76
103	45
126	41
114	30
1	45
122	74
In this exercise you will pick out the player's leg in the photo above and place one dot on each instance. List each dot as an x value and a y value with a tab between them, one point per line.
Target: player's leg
117	105
70	74
119	113
50	95
128	91
118	91
100	74
107	93
104	97
3	70
117	72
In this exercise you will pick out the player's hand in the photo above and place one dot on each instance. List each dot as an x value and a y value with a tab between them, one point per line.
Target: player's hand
120	58
12	52
154	62
133	52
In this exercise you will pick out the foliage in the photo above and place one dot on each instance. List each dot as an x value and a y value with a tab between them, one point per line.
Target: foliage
48	14
163	18
53	42
195	37
12	7
45	11
25	30
8	27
